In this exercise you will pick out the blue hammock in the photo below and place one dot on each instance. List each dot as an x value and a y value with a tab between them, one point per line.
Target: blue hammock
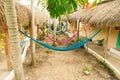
72	47
24	41
64	28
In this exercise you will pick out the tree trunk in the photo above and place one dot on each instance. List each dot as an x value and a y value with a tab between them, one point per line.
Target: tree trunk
11	18
32	33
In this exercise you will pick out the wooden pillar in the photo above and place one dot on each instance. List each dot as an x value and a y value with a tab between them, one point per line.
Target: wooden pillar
78	28
106	41
55	29
32	31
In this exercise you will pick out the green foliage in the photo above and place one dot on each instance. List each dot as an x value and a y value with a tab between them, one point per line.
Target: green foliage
87	68
2	46
60	7
83	3
48	51
100	42
54	44
2	35
105	66
102	64
25	26
41	36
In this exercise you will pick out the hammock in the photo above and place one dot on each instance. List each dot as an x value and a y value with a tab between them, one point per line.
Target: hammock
59	31
72	47
24	41
61	41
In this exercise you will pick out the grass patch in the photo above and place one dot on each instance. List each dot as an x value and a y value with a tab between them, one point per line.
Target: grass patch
110	71
87	70
48	51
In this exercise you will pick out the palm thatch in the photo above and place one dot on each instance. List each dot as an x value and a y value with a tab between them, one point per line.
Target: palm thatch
2	14
23	15
106	14
74	16
40	17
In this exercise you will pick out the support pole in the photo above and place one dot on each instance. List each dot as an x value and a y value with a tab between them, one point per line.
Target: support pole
106	42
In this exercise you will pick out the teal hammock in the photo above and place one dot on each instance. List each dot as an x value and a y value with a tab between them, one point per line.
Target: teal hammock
24	41
72	47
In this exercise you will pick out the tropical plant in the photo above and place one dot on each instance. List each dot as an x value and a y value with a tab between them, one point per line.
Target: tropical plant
100	42
2	36
60	7
41	36
25	26
48	51
87	70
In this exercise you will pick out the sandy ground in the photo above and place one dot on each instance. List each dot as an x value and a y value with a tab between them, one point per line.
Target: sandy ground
66	65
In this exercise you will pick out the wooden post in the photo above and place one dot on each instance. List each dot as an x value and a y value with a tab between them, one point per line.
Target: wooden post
78	28
33	56
55	29
106	42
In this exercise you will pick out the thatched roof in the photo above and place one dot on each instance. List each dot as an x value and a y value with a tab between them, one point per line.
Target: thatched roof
107	14
40	17
23	15
75	16
2	14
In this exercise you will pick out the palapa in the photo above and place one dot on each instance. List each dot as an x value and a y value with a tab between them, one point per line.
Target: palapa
106	14
23	15
40	17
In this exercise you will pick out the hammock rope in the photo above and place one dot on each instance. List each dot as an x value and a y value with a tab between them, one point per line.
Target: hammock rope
72	47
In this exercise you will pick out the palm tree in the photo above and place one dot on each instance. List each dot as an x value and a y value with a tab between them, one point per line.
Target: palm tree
11	18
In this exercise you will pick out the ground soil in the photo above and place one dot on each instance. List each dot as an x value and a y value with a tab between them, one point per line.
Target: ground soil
67	65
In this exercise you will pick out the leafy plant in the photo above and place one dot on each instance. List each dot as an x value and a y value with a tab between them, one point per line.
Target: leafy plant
2	36
60	7
41	36
25	26
105	66
48	51
87	70
100	42
54	44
